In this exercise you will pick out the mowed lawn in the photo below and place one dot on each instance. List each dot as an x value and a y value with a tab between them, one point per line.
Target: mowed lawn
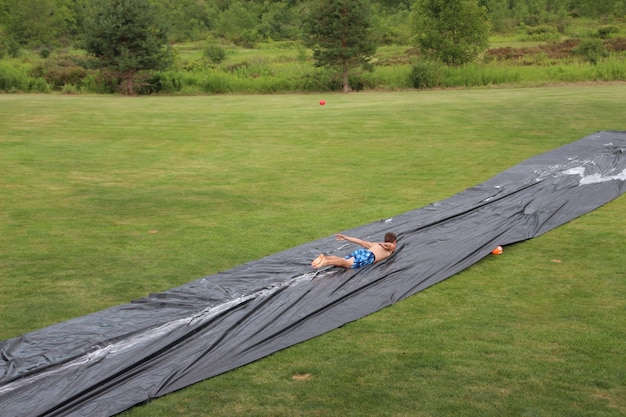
106	199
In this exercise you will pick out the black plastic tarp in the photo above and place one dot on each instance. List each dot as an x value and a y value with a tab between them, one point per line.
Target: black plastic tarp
104	363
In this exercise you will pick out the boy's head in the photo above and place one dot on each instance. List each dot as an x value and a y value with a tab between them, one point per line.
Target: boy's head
390	237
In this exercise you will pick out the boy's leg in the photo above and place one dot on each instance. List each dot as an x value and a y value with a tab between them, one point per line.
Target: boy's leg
333	260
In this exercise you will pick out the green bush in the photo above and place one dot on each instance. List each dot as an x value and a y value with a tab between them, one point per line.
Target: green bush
62	76
14	77
320	79
214	53
8	46
611	70
357	83
605	32
386	77
591	49
426	74
94	82
61	71
248	38
70	89
167	82
541	33
215	83
473	75
39	85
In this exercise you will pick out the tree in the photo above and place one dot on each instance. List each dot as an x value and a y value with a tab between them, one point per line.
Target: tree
239	23
36	22
595	8
127	37
339	32
499	14
279	22
189	20
452	31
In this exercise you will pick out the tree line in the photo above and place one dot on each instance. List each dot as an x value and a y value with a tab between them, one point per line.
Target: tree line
129	38
34	23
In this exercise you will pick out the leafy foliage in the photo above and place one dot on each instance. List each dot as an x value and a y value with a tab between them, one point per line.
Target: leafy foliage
188	20
40	22
592	49
214	53
36	21
33	31
57	22
454	32
426	74
238	23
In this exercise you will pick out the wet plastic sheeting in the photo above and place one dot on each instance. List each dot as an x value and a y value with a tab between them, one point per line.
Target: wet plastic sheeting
104	363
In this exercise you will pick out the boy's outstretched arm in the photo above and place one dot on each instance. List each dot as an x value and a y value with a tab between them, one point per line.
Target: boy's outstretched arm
356	240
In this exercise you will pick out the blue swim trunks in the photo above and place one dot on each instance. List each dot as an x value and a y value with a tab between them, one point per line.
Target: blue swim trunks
362	257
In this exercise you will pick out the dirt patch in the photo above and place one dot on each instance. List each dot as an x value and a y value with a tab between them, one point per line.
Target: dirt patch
302	377
552	50
615	45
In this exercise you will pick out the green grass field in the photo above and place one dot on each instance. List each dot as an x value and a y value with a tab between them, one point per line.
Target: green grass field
106	199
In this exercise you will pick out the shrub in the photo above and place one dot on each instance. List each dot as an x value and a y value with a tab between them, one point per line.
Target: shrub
541	33
388	77
357	83
605	32
249	38
94	82
591	49
13	77
319	79
215	83
8	46
70	89
611	70
167	82
473	75
44	53
61	71
426	74
214	53
39	85
62	76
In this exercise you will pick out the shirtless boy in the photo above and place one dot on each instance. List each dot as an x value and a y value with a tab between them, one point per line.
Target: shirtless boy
371	252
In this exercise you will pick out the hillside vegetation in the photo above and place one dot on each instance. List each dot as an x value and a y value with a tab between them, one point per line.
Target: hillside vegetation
219	47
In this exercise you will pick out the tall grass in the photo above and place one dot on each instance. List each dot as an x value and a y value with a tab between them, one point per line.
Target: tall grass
288	68
277	78
477	75
485	75
16	77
